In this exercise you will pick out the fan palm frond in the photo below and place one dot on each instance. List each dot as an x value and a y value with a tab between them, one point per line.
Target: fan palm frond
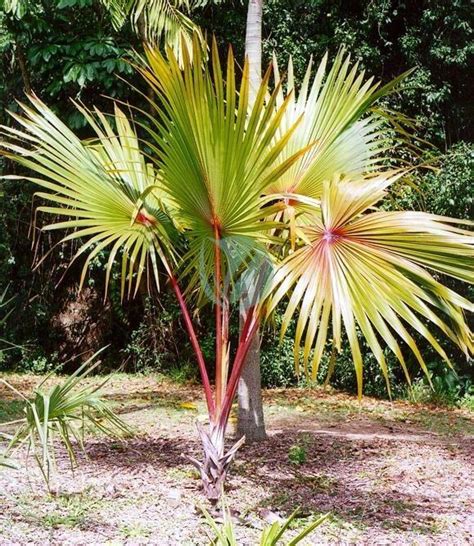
369	271
334	106
159	21
217	154
109	195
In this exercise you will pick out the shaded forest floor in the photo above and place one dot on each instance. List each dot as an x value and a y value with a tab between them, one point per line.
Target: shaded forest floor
389	473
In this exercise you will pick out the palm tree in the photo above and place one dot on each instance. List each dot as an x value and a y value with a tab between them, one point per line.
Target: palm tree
251	419
279	195
162	21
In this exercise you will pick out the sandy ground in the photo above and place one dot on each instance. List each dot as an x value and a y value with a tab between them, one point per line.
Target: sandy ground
393	474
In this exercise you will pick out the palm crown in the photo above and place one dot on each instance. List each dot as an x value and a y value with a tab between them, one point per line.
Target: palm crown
294	176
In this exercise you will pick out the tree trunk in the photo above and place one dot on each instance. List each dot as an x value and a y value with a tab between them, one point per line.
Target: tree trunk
250	420
216	462
25	76
253	45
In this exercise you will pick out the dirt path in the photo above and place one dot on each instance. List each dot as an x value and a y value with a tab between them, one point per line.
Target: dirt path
388	473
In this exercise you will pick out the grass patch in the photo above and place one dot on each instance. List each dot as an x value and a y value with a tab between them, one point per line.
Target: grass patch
320	482
183	474
337	523
10	410
135	531
65	510
444	422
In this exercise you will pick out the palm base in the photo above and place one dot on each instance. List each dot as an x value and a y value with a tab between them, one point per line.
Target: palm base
216	464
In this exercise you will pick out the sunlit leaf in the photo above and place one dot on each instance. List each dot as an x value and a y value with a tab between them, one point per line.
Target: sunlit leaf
100	187
369	272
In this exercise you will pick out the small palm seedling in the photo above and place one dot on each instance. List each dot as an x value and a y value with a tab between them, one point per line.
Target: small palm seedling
297	454
61	415
224	535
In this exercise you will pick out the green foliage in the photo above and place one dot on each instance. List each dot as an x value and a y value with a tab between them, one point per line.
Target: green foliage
60	50
448	190
388	37
297	454
343	376
61	415
277	363
152	346
278	370
38	363
224	535
447	388
158	21
183	372
60	60
10	409
467	402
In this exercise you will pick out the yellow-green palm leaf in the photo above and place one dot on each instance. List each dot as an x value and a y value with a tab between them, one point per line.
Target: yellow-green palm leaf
369	271
216	153
159	21
102	187
334	107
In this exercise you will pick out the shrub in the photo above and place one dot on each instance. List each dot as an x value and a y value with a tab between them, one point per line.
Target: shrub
152	345
61	415
448	388
37	362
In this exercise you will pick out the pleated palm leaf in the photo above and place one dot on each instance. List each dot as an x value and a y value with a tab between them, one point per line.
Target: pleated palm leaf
334	103
367	269
100	187
224	172
159	21
272	535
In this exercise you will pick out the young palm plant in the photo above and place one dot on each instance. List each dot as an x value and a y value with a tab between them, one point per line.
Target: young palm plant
273	196
272	535
60	415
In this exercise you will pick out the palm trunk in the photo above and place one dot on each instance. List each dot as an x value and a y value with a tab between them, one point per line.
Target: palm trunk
214	468
245	372
250	421
253	45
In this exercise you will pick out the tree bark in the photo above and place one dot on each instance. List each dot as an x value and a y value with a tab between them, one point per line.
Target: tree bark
253	45
250	420
25	76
